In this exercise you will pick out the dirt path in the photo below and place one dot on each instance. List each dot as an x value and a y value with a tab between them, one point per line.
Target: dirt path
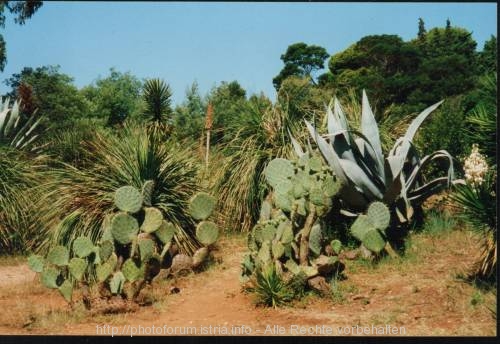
421	294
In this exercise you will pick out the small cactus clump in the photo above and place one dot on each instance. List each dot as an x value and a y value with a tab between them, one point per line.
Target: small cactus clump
290	233
370	228
137	241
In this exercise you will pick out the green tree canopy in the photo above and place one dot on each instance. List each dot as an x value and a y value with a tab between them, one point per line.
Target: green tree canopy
381	64
115	97
53	93
487	59
301	60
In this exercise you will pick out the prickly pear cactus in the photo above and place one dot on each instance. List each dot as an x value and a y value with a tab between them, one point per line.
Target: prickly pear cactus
136	242
370	228
294	239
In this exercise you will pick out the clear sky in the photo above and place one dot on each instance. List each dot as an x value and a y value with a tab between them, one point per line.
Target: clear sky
212	42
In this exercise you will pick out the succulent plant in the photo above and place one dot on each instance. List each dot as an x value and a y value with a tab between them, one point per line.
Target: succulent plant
201	206
290	232
357	160
128	199
136	242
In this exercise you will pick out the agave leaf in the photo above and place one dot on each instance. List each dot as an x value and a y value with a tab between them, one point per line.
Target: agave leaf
296	145
328	152
360	179
440	154
339	113
369	128
420	194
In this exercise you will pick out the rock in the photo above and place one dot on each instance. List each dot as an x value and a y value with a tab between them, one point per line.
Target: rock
319	284
351	255
181	263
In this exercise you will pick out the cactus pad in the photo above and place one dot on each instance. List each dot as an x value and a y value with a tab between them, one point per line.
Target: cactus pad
331	187
103	271
292	266
36	263
336	246
201	206
207	232
361	226
309	271
374	241
59	256
301	206
278	250
106	249
116	283
129	199
283	201
200	256
66	290
130	270
264	254
166	232
77	268
379	215
50	277
315	238
268	232
124	228
317	196
146	249
287	236
82	247
153	219
277	171
265	211
147	192
315	163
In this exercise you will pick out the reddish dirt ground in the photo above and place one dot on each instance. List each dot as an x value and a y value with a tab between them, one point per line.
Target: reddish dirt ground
420	293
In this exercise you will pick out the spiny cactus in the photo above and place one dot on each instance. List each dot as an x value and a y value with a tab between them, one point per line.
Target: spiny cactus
370	228
201	206
134	246
290	233
128	199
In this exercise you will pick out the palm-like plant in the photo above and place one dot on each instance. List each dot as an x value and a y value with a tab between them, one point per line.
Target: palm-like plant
81	198
16	130
259	137
20	231
157	97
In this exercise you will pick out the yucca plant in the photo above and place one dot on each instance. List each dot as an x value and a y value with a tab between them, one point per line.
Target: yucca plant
270	289
81	198
259	137
20	175
157	97
357	159
17	130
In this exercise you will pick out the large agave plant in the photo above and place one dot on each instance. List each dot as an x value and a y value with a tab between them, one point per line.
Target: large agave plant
357	159
15	130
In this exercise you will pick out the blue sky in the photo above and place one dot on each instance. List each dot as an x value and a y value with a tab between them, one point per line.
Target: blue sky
212	42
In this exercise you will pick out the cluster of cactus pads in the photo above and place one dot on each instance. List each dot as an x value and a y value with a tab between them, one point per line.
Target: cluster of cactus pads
136	243
290	232
370	228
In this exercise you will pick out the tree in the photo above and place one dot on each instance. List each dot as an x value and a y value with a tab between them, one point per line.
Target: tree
189	116
448	65
384	65
52	92
157	97
23	10
301	60
115	97
421	30
487	59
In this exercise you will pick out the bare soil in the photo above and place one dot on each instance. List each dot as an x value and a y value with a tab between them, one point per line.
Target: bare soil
421	292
